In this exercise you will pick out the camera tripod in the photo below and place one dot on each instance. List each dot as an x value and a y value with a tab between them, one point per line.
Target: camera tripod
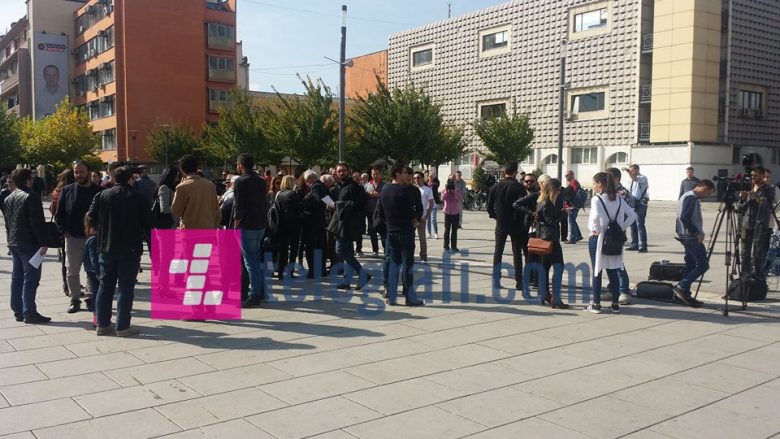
727	212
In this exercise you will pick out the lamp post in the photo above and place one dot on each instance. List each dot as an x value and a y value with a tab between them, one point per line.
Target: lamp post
133	134
561	109
342	80
166	127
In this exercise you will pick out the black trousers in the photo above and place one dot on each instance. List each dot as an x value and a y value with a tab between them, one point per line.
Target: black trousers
288	244
374	237
314	241
753	251
519	243
565	228
451	231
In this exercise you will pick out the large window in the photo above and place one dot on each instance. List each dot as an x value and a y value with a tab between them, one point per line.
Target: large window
421	57
492	110
588	103
108	139
221	68
590	20
218	98
95	46
93	14
94	78
618	157
551	159
584	155
104	107
221	35
751	103
495	41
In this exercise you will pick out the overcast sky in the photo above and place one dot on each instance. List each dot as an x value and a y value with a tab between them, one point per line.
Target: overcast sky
282	38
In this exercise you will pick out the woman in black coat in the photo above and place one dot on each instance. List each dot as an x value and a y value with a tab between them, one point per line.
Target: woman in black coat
290	211
548	222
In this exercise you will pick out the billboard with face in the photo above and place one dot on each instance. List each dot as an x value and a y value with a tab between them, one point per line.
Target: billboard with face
51	72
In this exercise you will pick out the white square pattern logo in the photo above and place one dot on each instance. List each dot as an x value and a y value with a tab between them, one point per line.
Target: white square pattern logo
196	280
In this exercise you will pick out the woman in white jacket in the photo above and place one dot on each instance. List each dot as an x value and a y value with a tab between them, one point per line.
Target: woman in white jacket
605	206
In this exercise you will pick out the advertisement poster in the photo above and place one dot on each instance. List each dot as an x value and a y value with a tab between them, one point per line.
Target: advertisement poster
51	72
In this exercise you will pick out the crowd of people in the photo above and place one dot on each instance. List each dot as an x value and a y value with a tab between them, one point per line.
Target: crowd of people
322	220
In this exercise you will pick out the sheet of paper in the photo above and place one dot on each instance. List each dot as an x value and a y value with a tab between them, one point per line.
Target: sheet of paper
328	200
37	259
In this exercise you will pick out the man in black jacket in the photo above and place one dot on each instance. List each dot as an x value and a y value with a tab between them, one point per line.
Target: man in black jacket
123	220
313	217
509	222
346	224
250	210
73	204
25	225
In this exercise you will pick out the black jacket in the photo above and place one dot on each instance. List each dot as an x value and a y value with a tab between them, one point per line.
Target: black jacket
70	216
251	205
501	197
24	220
349	208
313	215
548	220
526	206
290	209
38	185
122	218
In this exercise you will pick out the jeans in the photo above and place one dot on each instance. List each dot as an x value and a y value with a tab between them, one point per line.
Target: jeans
518	242
251	250
400	253
74	252
433	226
344	249
122	267
451	231
638	229
612	274
695	263
574	229
92	265
372	233
24	281
753	251
549	261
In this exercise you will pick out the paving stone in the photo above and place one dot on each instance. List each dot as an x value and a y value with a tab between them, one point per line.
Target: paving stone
47	340
220	407
313	387
5	347
40	415
83	365
423	423
166	352
107	345
139	424
318	362
670	396
474	379
19	331
57	388
499	406
33	356
135	398
164	370
320	417
255	354
20	374
723	377
403	396
531	428
233	379
238	428
714	422
386	350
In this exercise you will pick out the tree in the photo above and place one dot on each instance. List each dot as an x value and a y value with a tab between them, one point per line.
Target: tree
239	130
305	128
58	139
167	143
9	139
403	125
506	137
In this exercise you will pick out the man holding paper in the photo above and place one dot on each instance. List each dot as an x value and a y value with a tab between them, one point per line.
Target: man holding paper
25	224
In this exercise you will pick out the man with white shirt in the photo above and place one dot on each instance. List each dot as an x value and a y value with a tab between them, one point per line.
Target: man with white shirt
640	191
426	195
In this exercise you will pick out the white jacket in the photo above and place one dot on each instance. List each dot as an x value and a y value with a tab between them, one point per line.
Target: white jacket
598	222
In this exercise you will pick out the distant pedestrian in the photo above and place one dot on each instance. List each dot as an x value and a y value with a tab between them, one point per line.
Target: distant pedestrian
64	178
24	225
346	224
640	190
144	185
689	182
625	194
374	190
573	189
250	215
290	210
690	232
195	201
433	225
313	217
548	220
509	223
426	198
452	200
38	184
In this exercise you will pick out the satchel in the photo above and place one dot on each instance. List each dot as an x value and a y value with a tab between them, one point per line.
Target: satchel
538	246
52	237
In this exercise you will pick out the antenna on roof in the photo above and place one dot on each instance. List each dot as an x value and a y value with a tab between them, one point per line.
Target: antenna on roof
449	10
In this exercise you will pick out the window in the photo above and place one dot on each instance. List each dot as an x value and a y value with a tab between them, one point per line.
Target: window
751	103
530	159
584	155
421	57
492	110
551	159
221	68
588	103
221	35
95	46
494	41
108	139
590	20
618	157
218	98
93	14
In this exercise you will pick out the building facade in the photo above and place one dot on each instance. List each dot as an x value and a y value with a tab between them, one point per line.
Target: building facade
665	84
361	76
140	64
15	77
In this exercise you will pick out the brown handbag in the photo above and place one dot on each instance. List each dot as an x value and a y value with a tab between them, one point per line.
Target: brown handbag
539	246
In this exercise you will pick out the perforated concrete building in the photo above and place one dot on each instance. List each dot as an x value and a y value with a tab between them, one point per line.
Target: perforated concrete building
663	83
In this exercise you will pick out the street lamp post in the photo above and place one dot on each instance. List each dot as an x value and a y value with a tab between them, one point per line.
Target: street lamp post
561	109
342	80
133	134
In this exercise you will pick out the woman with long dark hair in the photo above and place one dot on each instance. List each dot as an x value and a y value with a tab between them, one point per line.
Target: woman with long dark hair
548	221
606	206
164	219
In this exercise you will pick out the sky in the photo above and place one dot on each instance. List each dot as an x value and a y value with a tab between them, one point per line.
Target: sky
282	38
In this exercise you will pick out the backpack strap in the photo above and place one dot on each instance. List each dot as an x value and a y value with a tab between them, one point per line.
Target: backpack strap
605	208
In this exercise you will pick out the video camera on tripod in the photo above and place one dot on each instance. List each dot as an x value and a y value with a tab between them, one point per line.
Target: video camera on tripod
735	185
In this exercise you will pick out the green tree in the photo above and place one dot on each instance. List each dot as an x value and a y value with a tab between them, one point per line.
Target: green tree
506	137
9	139
305	128
239	130
58	139
403	125
167	143
479	178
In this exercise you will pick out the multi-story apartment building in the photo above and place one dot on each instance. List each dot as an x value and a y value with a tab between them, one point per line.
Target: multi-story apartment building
663	83
144	63
15	77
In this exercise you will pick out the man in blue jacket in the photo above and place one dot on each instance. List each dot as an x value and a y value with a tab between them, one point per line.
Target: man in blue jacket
690	232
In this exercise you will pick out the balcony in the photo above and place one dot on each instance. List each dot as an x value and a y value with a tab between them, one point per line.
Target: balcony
645	94
216	42
222	75
9	83
644	132
647	43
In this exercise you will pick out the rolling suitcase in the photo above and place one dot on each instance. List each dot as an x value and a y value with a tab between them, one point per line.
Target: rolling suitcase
670	271
655	291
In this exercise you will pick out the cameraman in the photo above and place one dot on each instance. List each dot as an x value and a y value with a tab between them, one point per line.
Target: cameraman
756	209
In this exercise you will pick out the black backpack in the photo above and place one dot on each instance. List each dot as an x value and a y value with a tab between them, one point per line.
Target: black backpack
614	236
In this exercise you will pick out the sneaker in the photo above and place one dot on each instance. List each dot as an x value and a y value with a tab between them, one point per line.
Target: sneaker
435	236
642	250
632	248
360	286
360	254
594	308
251	302
455	249
625	299
104	330
428	236
375	254
19	317
615	308
128	332
682	295
424	261
36	318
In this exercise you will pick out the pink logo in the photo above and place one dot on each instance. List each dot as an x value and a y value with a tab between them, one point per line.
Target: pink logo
196	274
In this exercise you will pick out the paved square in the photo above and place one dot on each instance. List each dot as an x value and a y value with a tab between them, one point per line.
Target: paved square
468	368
